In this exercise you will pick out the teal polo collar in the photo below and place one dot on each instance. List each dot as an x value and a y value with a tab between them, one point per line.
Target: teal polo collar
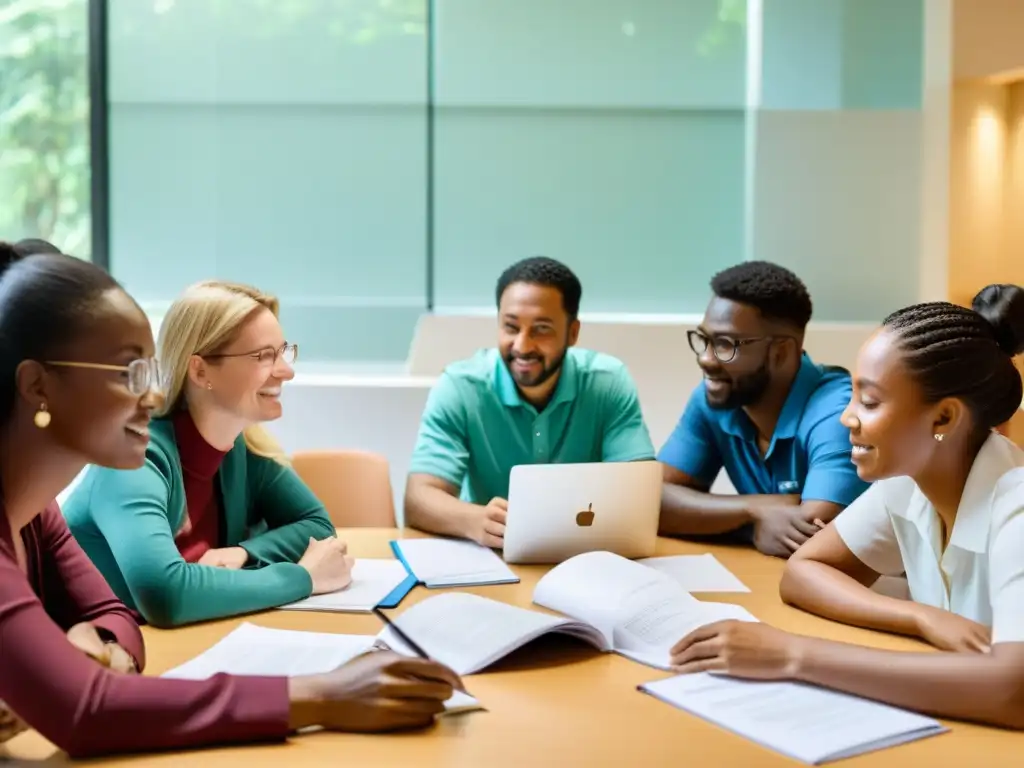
508	392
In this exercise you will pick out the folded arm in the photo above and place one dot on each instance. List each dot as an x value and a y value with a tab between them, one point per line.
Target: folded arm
432	504
130	509
986	688
825	578
85	594
293	514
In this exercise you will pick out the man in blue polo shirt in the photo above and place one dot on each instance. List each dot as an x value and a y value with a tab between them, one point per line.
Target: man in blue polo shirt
766	413
535	399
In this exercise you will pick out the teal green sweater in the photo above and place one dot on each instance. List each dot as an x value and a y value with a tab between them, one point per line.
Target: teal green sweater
125	520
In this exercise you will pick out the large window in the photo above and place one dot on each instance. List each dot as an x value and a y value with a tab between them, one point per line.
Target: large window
368	160
44	123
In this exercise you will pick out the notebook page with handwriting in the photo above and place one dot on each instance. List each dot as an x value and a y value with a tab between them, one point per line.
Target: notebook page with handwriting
645	611
372	581
469	633
256	650
452	563
810	724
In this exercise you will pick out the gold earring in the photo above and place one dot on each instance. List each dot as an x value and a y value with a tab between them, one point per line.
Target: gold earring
42	417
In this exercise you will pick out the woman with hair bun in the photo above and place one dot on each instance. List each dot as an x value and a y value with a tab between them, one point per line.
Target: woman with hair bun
946	508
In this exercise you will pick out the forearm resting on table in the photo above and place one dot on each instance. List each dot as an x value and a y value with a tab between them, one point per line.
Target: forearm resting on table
435	509
986	688
820	589
688	511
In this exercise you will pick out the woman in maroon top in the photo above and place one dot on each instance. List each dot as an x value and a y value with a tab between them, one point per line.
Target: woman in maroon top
77	379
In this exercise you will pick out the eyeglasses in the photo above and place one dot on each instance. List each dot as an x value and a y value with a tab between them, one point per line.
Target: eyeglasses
724	347
266	357
143	374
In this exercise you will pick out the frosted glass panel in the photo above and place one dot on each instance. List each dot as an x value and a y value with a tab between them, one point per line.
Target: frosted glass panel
643	206
604	134
281	144
842	54
657	53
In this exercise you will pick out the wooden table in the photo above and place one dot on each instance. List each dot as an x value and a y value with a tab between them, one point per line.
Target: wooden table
554	702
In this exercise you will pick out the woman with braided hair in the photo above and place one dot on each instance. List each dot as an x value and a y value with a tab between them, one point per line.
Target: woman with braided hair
946	508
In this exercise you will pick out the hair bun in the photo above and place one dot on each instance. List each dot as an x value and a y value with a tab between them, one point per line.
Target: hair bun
8	255
1002	306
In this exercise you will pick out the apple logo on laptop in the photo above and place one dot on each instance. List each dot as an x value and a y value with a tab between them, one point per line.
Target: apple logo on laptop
585	519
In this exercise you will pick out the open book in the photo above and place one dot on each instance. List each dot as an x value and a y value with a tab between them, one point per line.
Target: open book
608	601
253	650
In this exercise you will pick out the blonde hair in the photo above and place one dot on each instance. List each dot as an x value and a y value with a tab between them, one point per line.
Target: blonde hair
201	321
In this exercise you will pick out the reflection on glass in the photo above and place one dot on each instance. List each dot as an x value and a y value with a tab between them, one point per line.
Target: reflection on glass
44	122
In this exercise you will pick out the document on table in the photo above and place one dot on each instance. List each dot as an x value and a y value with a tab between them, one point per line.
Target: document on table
452	563
697	573
372	581
811	724
255	650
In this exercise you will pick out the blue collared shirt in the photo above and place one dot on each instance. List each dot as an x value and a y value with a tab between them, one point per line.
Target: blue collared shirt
809	453
476	427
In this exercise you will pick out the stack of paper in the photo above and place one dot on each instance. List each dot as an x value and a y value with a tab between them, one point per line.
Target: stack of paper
697	573
811	724
261	651
372	582
452	563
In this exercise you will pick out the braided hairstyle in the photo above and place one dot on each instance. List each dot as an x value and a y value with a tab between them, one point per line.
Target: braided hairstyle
965	353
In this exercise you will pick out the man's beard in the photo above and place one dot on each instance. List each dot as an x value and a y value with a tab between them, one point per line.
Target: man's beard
745	390
538	378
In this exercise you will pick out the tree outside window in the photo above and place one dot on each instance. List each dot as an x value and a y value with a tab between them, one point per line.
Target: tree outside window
44	123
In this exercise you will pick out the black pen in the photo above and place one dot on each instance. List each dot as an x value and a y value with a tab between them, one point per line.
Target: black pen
401	635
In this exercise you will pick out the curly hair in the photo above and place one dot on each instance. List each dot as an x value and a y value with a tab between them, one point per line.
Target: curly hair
774	291
540	270
953	351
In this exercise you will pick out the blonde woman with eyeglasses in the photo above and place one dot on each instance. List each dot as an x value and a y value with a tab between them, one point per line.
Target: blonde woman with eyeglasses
215	523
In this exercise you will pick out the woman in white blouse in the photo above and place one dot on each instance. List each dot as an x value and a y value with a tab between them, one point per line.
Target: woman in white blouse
947	509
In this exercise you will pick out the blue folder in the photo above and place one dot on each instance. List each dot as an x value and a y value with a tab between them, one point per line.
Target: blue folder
403	589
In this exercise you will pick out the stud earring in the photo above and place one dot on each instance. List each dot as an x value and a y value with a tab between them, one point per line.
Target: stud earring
209	385
938	437
42	417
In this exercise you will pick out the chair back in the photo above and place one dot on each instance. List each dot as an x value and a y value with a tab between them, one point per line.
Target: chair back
354	486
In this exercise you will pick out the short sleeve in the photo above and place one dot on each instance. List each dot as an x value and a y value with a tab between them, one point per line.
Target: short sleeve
692	448
831	475
866	528
442	444
625	434
1006	566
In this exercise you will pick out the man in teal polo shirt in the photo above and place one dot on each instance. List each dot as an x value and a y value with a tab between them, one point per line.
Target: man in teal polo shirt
535	399
766	413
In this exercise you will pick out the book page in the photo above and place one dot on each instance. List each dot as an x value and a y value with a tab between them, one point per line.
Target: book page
697	573
468	632
603	589
453	562
255	650
261	651
808	723
372	581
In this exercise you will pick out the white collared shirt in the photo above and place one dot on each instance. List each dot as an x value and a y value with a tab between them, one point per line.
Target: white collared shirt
893	528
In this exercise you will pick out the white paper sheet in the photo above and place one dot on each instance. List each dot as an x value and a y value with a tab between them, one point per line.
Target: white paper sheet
454	562
255	650
372	581
697	573
811	724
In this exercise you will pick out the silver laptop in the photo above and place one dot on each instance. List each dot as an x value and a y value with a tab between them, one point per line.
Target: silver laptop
556	511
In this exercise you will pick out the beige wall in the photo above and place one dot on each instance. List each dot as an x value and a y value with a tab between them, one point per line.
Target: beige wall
988	37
